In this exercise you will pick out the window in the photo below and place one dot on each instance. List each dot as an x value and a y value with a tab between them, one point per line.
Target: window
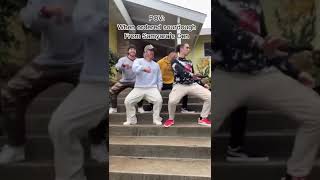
207	49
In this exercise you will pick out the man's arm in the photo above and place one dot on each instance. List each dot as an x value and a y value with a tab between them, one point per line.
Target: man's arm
33	15
160	83
225	27
91	17
119	64
137	67
179	69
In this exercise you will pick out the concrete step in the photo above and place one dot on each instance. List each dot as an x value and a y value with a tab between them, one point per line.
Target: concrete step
264	120
146	118
192	106
137	168
273	144
156	146
191	129
37	124
40	148
272	170
191	99
44	170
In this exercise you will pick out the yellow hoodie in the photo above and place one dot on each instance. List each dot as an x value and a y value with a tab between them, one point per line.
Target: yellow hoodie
166	70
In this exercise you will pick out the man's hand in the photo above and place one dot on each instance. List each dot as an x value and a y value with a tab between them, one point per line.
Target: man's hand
278	42
272	46
50	11
147	69
206	86
306	79
127	66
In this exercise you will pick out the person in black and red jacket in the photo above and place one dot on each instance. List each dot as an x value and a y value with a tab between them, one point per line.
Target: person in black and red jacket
186	82
252	70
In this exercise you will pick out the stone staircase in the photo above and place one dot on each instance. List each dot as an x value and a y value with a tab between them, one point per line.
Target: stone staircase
268	133
149	152
39	150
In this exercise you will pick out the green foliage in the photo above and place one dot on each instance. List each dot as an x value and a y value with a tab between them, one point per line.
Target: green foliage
112	60
8	9
299	30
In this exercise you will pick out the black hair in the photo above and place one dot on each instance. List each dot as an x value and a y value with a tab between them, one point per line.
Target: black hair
179	46
132	46
170	50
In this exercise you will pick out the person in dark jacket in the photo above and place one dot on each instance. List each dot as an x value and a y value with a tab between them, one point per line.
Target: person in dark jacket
252	70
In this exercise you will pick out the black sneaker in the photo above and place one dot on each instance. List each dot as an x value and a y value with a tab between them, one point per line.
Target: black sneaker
288	177
239	155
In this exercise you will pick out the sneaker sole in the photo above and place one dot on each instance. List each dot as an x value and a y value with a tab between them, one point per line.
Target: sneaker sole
166	126
205	124
235	159
129	124
13	161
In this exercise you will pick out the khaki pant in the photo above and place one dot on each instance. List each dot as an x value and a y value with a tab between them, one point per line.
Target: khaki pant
117	89
180	90
70	122
27	84
280	93
152	95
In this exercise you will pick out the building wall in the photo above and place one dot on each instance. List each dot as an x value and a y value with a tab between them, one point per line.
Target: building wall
113	38
197	52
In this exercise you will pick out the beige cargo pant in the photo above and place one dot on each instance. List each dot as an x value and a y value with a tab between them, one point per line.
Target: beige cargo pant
78	113
180	90
279	93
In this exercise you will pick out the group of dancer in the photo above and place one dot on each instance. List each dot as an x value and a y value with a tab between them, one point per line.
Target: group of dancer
148	78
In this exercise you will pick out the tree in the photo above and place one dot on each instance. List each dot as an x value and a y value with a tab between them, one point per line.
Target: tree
8	9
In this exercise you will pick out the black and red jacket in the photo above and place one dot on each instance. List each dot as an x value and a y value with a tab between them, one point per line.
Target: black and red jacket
238	30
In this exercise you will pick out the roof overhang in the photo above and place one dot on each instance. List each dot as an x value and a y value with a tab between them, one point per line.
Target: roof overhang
139	11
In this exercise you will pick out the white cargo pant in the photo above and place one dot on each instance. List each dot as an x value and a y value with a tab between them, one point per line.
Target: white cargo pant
78	113
152	95
281	94
180	90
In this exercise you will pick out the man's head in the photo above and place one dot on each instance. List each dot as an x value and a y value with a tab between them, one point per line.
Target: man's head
172	54
183	49
132	51
149	52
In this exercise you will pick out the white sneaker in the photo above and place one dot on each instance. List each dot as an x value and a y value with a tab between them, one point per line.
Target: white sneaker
128	123
113	110
99	152
157	122
141	110
184	110
10	154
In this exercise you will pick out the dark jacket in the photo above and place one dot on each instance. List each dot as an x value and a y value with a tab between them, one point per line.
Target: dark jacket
238	31
183	72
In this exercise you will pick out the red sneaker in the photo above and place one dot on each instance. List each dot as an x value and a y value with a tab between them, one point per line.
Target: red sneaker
168	123
204	122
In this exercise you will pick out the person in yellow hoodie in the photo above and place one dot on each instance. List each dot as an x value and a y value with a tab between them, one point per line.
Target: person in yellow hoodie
168	77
